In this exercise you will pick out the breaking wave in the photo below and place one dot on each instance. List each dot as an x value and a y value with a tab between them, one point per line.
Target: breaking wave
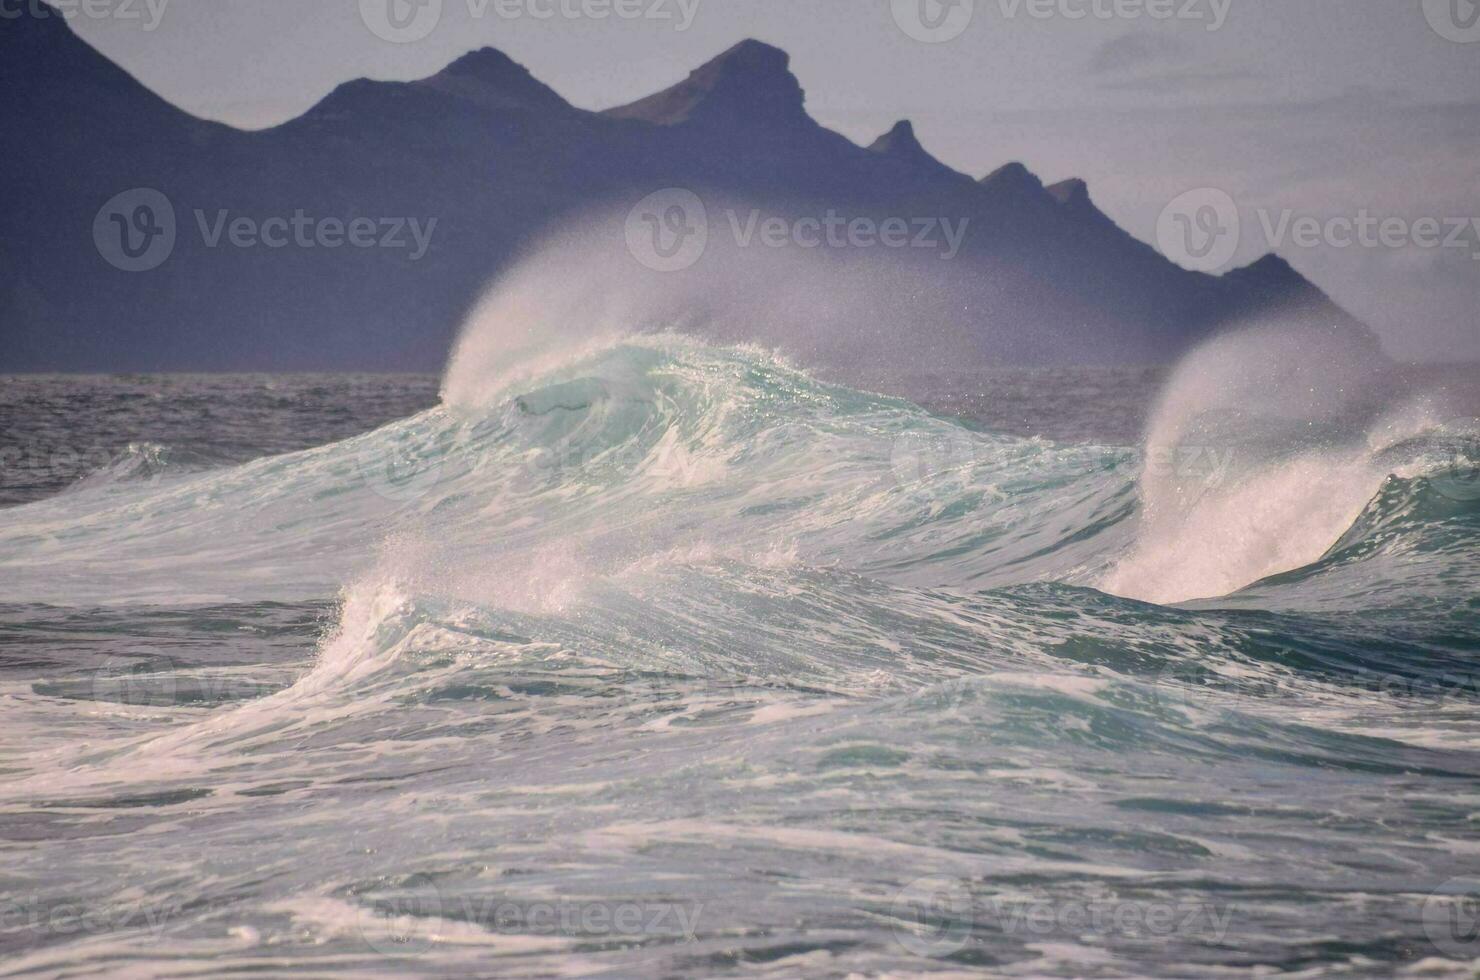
634	614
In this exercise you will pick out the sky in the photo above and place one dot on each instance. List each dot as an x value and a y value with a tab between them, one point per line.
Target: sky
1314	119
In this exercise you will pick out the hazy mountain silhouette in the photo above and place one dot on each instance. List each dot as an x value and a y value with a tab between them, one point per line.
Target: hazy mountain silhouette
496	156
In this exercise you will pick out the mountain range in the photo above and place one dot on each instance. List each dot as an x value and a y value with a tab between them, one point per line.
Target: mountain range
498	158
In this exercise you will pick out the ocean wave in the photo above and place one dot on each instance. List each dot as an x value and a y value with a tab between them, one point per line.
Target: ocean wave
684	626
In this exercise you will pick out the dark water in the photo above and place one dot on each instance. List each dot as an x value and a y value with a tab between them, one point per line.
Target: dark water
57	429
677	662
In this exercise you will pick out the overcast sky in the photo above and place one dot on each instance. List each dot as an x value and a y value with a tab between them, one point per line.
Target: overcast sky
1332	108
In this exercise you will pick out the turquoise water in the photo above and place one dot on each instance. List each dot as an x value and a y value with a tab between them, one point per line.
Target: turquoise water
672	660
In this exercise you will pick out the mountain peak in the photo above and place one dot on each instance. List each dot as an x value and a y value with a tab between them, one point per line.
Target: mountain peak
750	82
899	141
490	77
485	79
489	64
42	57
1072	192
1271	282
754	55
1073	196
901	144
1013	177
1272	265
1269	273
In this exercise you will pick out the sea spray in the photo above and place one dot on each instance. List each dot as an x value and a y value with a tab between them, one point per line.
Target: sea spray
669	626
1277	437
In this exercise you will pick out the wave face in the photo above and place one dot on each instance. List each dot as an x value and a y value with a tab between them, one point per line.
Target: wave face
672	659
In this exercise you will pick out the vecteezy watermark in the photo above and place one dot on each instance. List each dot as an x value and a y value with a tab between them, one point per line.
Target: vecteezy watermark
1211	13
46	918
1188	683
140	680
1197	469
148	679
401	21
934	916
579	919
834	230
1459	479
1454	20
1366	230
304	231
669	230
46	463
1451	918
922	457
1202	229
938	915
407	920
403	922
137	231
938	21
933	21
1205	465
679	466
150	12
407	21
401	472
1110	917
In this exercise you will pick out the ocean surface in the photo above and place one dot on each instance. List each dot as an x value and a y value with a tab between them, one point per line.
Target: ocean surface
674	660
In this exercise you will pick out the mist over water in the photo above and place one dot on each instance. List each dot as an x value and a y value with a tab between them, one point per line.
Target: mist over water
583	288
807	679
1265	446
850	312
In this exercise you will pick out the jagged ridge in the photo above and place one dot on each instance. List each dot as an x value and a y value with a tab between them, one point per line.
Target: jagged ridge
750	82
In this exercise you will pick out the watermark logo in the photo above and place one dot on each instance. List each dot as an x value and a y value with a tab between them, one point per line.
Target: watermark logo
933	21
934	916
45	918
1122	918
1187	683
401	473
408	21
401	21
668	231
1184	684
1367	230
1451	918
918	457
151	12
937	21
307	232
135	230
1212	13
833	229
136	682
634	920
1200	229
1454	20
1459	479
405	923
680	11
148	680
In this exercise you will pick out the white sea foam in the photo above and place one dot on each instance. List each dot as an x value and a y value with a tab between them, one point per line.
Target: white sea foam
1266	446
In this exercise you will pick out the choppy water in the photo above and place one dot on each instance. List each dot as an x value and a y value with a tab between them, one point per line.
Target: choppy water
672	660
